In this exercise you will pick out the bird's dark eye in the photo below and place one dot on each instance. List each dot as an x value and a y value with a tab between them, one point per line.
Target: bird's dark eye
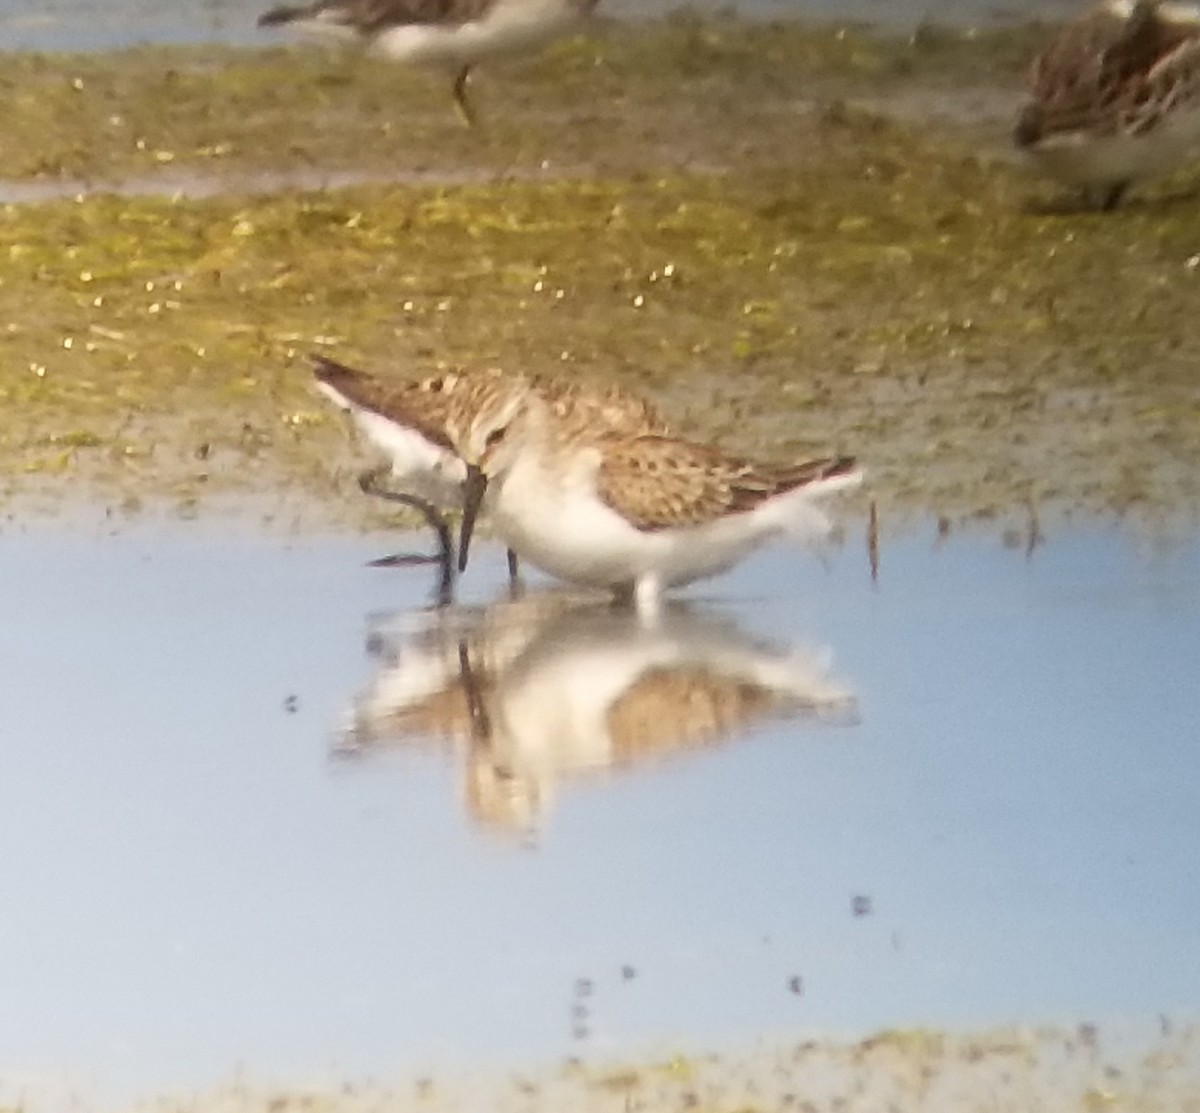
495	437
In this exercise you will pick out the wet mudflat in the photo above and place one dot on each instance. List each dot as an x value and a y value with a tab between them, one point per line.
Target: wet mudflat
797	239
264	838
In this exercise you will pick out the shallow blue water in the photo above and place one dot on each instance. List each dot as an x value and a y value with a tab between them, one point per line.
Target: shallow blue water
197	878
106	24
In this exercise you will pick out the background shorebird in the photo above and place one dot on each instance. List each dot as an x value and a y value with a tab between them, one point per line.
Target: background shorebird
456	34
1115	97
419	427
636	511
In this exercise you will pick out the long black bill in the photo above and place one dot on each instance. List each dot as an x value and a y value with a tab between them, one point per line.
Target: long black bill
473	491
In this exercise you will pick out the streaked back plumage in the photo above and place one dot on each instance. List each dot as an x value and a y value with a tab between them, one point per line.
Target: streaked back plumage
1108	73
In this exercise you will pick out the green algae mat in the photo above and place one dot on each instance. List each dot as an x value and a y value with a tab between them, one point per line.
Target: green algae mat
795	238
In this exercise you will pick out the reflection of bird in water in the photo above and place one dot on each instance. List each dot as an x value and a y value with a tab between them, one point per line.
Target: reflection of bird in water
456	34
1115	97
551	687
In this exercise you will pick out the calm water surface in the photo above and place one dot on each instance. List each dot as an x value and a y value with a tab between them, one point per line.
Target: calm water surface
105	24
264	811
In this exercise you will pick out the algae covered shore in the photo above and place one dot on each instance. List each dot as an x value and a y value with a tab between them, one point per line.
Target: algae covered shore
796	238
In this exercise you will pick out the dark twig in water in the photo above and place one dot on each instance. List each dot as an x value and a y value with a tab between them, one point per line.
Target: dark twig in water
873	542
1035	536
370	484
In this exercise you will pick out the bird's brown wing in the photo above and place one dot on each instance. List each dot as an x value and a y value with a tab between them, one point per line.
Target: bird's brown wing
378	15
660	482
410	404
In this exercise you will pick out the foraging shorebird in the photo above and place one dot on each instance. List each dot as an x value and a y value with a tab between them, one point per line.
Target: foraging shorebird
1115	98
419	427
456	34
632	511
554	688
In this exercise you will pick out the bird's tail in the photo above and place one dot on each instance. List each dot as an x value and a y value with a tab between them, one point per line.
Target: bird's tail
339	383
284	13
837	474
800	516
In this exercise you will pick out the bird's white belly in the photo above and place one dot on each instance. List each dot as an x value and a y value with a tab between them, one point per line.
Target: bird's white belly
325	31
467	43
1079	159
699	552
571	534
421	467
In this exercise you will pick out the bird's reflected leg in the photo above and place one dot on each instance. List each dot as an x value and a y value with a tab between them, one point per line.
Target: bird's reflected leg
481	725
516	586
370	483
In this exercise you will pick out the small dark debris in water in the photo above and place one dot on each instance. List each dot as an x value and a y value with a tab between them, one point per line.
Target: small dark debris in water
203	450
943	528
796	985
628	973
861	906
1088	1035
580	1012
1035	536
291	704
690	1100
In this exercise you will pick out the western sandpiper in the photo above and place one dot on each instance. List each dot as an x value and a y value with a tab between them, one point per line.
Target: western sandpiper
457	34
419	426
636	512
409	422
1115	97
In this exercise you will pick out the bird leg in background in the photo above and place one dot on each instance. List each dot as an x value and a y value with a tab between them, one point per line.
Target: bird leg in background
460	98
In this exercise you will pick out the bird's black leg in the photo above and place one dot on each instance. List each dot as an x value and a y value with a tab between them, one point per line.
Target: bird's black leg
1105	197
370	483
1113	197
460	98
